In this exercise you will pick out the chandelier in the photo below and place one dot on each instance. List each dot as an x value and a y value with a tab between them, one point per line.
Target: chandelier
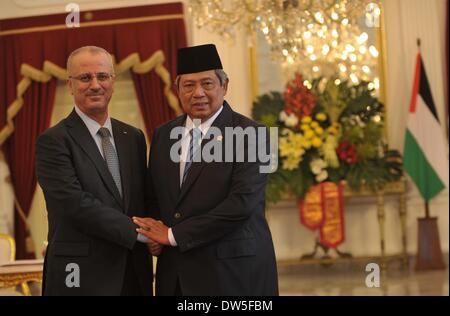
321	37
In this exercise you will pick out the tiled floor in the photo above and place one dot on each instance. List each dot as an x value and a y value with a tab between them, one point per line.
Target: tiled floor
350	279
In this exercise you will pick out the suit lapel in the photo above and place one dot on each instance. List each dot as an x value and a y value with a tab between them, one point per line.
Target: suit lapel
123	144
173	168
223	120
173	173
81	135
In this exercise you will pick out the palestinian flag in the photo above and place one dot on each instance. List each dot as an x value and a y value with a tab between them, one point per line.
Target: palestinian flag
425	153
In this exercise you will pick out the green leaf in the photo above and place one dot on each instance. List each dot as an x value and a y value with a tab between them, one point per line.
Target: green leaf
268	107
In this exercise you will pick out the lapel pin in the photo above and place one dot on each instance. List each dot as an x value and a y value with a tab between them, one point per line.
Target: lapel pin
219	138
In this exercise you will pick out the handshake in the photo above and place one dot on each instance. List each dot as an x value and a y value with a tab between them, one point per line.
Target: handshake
156	232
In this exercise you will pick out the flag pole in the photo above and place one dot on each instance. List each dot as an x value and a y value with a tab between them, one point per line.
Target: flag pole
427	206
427	210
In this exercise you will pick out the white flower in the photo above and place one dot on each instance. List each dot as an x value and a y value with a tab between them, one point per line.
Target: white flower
291	120
322	176
317	166
359	121
283	116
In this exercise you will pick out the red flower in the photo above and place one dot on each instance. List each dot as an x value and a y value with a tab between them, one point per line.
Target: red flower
298	98
347	152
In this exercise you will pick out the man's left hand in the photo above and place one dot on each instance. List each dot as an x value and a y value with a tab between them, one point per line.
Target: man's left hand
154	248
153	229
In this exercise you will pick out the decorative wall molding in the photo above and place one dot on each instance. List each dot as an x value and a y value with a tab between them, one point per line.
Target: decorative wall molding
29	4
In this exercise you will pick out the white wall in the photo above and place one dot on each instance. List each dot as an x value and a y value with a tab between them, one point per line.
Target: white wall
405	22
361	227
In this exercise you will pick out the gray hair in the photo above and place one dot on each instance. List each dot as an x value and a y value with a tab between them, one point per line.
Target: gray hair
90	49
222	75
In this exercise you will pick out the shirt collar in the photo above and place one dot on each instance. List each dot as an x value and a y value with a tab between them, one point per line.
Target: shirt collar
92	125
204	127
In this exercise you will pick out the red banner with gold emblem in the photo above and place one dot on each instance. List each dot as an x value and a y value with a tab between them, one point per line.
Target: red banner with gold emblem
311	210
323	208
332	231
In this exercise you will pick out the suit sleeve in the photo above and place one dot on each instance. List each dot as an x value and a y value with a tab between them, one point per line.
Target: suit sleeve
247	195
150	194
143	162
64	194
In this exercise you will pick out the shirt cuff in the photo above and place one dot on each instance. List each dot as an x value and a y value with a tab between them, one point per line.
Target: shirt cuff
172	240
142	238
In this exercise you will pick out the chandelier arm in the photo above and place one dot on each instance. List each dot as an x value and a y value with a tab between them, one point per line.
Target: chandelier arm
308	6
331	5
248	7
229	16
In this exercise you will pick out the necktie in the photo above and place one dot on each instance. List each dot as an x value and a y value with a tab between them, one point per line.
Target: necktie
193	150
111	158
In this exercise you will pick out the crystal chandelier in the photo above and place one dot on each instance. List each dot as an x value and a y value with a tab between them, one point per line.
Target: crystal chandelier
321	37
333	51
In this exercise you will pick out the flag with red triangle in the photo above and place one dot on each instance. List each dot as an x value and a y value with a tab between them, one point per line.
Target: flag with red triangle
425	156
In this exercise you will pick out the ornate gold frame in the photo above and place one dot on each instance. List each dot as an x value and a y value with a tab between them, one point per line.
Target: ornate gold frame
12	244
22	279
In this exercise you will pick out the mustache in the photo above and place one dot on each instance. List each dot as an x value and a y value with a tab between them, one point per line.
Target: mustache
95	93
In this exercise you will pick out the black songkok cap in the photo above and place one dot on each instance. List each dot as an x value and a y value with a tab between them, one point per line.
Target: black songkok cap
197	59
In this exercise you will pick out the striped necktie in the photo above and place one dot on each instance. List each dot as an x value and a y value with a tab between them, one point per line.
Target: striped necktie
110	156
194	147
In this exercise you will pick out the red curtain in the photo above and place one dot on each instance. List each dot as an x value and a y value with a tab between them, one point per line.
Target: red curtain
167	36
3	82
31	121
121	38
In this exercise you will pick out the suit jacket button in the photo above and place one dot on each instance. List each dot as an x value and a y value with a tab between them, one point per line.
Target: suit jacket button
177	215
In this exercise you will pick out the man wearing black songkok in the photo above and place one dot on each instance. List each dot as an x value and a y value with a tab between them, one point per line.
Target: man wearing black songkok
208	216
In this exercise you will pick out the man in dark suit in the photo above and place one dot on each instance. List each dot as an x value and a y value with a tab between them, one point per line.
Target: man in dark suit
208	215
92	171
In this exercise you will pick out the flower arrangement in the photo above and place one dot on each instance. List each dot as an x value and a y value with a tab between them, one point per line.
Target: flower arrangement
328	131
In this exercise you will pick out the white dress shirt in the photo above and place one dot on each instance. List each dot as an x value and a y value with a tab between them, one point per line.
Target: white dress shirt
93	127
204	127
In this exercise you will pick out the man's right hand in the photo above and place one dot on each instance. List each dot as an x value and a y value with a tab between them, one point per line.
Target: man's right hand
152	229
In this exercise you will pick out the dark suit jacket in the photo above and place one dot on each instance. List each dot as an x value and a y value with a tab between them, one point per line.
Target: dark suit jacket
89	223
217	218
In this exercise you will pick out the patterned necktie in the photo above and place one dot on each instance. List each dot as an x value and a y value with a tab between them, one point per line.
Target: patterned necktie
193	149
111	158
